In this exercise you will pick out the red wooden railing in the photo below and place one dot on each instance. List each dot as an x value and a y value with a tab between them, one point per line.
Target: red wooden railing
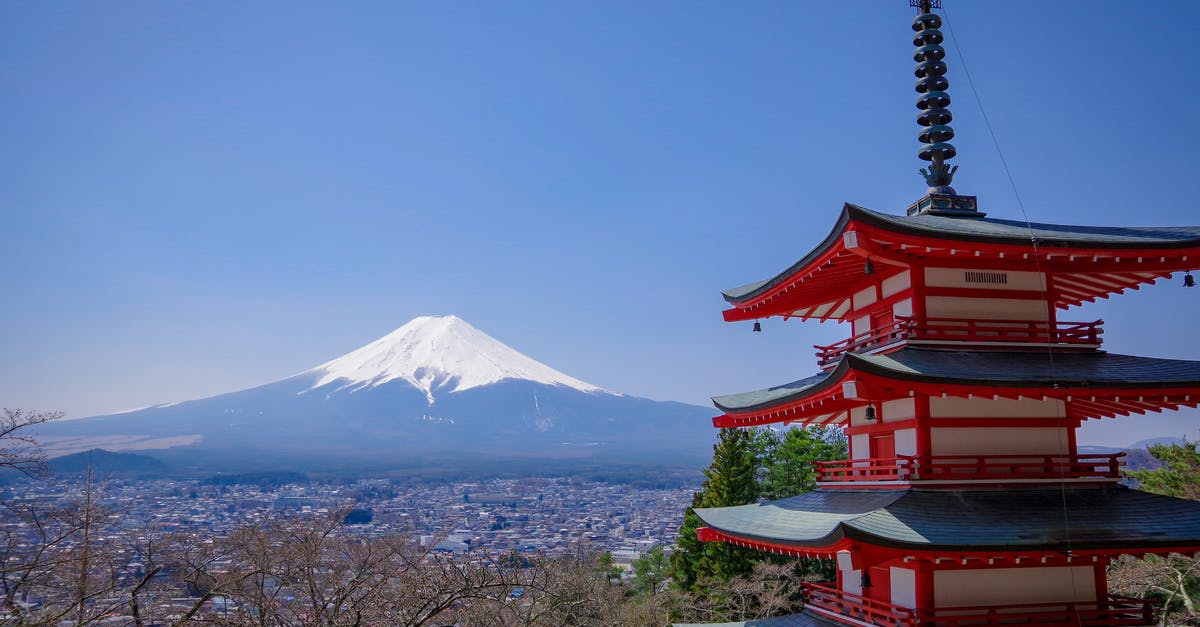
1006	331
872	469
929	468
896	331
1113	610
967	331
857	607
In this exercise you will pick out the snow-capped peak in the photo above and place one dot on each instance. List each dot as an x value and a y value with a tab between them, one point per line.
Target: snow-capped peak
435	353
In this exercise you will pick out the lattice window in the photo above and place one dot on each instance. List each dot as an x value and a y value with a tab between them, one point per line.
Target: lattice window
989	278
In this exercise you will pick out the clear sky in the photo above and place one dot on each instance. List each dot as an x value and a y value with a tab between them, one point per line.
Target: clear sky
198	197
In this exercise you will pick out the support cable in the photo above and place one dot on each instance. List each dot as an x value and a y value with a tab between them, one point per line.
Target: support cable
1066	515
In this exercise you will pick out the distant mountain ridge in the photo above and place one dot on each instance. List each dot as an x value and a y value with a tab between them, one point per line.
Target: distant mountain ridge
436	389
1095	449
102	462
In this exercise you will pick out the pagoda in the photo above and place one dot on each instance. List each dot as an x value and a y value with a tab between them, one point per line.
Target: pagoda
965	499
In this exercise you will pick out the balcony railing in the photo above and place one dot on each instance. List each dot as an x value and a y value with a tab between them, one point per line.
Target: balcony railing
898	330
937	330
1113	610
959	467
830	599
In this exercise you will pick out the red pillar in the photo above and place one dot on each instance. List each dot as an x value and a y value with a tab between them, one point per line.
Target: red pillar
924	586
924	440
1100	570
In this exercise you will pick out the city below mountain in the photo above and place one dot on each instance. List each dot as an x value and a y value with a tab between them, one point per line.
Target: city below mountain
436	391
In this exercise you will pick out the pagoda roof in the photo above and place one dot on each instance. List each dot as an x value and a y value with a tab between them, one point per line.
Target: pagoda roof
1079	377
973	229
901	239
1111	518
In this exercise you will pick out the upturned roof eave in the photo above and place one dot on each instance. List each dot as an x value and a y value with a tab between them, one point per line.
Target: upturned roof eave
860	364
846	532
830	379
836	508
935	521
906	225
1061	379
1188	238
835	537
746	292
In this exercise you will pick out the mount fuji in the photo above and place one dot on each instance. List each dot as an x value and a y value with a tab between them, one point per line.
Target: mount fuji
436	390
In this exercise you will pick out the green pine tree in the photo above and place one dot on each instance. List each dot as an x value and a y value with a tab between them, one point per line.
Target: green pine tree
749	464
788	459
731	479
650	571
1178	476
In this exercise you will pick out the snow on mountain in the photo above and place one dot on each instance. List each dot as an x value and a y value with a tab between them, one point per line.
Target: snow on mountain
435	353
375	407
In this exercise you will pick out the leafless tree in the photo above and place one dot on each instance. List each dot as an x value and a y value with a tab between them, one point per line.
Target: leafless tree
18	449
81	563
770	590
62	560
1172	578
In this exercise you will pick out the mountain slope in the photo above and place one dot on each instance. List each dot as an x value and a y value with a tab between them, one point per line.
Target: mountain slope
436	388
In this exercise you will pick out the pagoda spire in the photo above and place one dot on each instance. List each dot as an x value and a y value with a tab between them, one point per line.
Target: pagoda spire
934	116
932	85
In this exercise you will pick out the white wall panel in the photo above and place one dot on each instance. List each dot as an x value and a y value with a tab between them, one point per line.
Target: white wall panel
999	441
1005	586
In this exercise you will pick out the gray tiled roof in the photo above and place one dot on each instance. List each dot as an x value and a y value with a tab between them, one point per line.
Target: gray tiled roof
1016	231
1113	517
802	619
1034	368
774	395
971	229
987	368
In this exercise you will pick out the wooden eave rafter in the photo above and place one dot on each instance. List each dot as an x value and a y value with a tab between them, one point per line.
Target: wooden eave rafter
1082	402
821	288
826	404
829	405
820	291
1076	288
710	534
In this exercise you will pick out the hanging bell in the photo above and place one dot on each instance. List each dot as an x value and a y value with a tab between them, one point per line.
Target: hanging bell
870	414
1189	280
868	268
757	327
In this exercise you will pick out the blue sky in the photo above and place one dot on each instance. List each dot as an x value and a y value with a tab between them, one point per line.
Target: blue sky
198	197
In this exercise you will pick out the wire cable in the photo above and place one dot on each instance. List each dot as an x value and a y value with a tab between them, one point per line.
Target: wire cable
1045	291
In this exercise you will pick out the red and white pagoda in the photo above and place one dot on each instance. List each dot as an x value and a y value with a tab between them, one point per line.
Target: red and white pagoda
965	500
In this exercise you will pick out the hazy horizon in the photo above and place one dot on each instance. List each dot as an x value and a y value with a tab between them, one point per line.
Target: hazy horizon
202	198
